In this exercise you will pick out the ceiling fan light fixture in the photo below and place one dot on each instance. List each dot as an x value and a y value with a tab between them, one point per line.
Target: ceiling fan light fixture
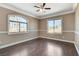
41	10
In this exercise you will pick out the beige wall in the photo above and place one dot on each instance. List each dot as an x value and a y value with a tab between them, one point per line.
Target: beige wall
77	28
35	26
5	38
68	28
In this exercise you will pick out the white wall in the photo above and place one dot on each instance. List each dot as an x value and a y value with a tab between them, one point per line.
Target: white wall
77	28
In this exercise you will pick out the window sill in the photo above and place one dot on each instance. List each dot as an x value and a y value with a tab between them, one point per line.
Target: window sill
13	33
54	33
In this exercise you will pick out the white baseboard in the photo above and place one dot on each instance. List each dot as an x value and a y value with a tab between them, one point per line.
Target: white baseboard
57	39
76	33
76	48
14	43
8	45
63	41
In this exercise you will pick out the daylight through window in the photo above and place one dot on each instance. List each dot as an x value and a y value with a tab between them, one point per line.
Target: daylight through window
55	26
17	24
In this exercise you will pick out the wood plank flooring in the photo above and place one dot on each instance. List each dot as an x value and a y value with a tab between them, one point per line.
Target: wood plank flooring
40	47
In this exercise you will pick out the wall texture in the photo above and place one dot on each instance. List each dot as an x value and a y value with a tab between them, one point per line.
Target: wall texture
68	28
35	28
77	28
7	39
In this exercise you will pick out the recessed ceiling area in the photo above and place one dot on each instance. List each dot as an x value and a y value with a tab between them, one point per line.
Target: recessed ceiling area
55	8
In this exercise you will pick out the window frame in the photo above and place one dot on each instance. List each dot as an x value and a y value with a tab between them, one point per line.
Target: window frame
19	24
61	25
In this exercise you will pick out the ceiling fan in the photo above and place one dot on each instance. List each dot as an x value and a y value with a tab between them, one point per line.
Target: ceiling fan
42	7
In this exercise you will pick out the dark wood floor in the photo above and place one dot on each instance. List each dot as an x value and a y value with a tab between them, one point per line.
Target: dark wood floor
40	47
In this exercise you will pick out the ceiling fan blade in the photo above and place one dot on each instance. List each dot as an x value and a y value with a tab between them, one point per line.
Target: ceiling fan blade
47	8
38	10
37	6
44	4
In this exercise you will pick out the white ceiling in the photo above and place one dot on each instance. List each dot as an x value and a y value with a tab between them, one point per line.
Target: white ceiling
55	8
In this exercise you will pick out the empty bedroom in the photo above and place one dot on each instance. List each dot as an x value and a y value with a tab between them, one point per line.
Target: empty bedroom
39	29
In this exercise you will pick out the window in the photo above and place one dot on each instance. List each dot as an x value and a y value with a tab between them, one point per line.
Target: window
55	26
17	24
